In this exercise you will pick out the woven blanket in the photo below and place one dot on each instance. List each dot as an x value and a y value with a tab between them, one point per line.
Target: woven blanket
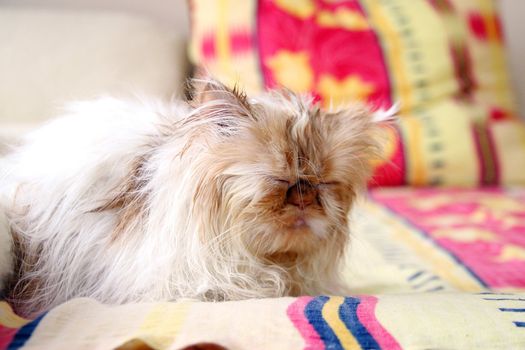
431	269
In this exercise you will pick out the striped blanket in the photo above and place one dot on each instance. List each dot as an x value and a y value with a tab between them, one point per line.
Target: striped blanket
431	269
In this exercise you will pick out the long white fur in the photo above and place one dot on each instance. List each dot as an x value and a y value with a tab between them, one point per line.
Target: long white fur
6	259
72	166
65	170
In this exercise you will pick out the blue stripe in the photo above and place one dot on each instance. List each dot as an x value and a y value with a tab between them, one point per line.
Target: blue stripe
348	314
314	313
24	333
519	324
416	275
435	289
424	234
509	309
505	299
422	284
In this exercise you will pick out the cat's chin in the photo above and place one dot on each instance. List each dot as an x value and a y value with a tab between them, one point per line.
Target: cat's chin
300	223
311	222
309	226
301	235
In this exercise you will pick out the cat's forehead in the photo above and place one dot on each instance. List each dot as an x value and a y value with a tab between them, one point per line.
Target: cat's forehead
290	132
296	116
291	105
287	123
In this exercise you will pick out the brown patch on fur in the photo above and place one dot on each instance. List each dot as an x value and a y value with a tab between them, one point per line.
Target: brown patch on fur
18	288
289	158
287	260
130	201
290	262
302	194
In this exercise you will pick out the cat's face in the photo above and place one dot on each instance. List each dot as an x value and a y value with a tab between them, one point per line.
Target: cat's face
281	174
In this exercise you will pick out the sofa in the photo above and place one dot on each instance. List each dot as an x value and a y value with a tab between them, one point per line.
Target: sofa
429	266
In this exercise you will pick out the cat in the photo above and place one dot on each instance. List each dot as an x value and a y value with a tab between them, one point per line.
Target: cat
223	197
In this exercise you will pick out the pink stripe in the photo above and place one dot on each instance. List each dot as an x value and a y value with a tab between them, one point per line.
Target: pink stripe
296	314
208	47
6	336
267	79
241	42
367	316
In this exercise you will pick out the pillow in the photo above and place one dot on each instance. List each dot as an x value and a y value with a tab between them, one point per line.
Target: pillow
442	61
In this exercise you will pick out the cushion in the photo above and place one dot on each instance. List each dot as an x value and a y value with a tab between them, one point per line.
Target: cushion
441	61
50	57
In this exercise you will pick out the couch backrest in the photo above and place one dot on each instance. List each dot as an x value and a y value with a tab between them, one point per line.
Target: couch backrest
173	15
49	57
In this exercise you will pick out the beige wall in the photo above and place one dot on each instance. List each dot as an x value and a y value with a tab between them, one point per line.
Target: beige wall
173	13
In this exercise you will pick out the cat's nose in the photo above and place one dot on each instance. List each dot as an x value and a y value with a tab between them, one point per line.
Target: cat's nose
301	195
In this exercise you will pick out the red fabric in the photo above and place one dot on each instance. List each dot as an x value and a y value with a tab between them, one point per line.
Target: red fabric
327	47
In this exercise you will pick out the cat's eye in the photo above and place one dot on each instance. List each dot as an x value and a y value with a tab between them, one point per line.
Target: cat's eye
329	183
283	182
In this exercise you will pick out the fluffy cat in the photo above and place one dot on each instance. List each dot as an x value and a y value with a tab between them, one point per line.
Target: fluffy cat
222	198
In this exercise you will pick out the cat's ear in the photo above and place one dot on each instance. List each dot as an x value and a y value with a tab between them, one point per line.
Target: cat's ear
386	115
357	126
361	118
209	90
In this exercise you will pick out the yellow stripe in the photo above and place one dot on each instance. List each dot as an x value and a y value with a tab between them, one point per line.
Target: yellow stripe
521	133
496	51
331	315
222	36
393	53
8	318
163	323
440	262
415	164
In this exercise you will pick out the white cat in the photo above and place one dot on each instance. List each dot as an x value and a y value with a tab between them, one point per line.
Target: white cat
223	198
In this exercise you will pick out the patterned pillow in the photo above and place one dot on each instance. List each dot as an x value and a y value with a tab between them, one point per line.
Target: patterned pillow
442	61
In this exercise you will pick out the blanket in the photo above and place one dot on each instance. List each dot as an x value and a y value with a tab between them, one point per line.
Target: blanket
430	269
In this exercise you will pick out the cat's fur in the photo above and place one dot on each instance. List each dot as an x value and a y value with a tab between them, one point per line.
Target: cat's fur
224	198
